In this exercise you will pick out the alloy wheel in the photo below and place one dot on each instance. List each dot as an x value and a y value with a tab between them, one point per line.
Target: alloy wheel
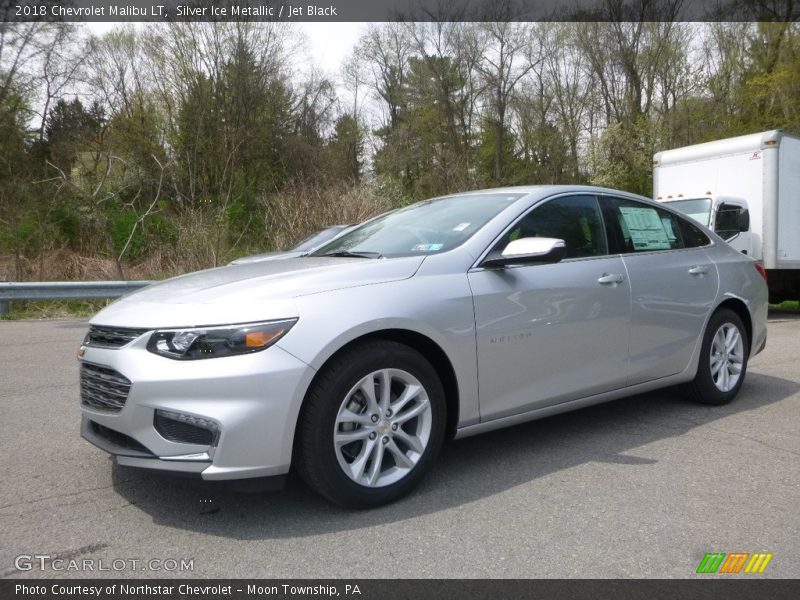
727	357
382	428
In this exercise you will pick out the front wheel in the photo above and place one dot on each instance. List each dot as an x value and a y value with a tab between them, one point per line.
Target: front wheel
371	425
723	360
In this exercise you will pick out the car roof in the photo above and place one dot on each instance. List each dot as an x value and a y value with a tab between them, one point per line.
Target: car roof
542	191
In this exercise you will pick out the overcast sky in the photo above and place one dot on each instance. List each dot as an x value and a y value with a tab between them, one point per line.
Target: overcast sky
329	43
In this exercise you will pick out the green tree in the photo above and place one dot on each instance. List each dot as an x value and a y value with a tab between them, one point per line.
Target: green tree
622	156
71	130
346	149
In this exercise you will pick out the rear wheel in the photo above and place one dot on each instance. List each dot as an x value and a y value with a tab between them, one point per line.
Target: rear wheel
723	360
371	425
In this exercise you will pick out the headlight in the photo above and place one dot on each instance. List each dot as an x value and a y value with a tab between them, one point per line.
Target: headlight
212	342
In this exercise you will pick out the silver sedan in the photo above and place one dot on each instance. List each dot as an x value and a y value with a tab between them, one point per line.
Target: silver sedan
450	317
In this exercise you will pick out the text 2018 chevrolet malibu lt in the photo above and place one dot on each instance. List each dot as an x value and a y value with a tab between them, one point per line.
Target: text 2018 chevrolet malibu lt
456	315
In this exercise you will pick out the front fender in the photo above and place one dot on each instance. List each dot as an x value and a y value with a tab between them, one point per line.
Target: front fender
441	311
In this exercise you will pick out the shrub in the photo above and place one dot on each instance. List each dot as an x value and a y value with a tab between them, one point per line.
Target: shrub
120	225
67	223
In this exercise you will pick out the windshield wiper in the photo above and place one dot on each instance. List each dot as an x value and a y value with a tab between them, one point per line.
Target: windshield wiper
356	254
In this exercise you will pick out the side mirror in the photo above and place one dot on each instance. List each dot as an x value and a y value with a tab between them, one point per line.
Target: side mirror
743	220
526	251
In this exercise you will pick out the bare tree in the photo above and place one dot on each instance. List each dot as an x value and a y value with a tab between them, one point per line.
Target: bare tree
626	52
17	50
564	69
387	50
61	55
508	57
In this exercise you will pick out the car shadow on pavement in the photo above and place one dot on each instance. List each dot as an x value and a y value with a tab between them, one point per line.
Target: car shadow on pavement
466	470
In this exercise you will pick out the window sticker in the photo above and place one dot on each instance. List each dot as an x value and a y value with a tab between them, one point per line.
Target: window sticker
645	227
461	227
427	247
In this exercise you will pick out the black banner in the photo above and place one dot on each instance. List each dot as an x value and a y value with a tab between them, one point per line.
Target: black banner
397	10
405	589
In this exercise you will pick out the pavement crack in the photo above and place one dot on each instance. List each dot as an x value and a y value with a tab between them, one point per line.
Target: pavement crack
693	424
71	494
753	439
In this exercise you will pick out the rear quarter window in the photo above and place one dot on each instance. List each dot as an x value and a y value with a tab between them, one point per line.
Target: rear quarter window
693	236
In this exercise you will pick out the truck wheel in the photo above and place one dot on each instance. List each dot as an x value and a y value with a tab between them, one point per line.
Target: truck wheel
371	426
723	360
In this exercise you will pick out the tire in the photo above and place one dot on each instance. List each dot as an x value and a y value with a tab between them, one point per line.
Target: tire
709	385
360	451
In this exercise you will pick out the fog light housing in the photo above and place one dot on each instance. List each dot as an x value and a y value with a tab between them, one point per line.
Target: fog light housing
186	429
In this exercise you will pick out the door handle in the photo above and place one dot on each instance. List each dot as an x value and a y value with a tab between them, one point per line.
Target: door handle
610	278
698	270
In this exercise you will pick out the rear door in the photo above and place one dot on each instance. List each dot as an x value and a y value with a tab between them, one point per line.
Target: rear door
673	284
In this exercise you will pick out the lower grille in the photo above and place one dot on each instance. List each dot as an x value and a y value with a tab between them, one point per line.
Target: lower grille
182	432
118	439
103	388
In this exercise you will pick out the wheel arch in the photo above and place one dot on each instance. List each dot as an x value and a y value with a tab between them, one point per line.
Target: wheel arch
423	344
738	306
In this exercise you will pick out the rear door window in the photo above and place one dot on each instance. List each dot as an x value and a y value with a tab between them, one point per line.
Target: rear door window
639	227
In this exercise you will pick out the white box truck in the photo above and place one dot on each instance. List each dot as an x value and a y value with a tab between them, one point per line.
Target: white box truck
747	190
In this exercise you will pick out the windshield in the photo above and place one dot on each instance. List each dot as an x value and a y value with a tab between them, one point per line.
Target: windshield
426	227
697	208
319	238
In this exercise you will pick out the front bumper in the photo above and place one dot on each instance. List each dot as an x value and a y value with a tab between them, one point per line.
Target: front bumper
254	400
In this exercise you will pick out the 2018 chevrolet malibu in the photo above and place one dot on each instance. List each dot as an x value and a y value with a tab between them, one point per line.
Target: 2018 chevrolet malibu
453	316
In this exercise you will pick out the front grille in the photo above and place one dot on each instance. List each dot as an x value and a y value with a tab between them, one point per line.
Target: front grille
118	439
111	337
181	432
103	388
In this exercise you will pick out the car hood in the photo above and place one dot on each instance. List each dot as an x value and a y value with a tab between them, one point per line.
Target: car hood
267	256
248	292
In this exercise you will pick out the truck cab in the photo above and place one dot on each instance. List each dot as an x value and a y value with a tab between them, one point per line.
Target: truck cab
729	218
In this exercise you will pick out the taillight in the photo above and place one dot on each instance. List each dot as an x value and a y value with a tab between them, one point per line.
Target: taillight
761	270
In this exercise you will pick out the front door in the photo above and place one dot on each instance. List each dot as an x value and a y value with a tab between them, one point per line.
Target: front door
551	333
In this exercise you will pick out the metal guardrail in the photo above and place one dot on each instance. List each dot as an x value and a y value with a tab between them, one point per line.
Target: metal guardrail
64	290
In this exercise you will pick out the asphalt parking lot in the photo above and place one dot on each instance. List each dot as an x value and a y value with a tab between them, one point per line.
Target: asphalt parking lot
641	487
